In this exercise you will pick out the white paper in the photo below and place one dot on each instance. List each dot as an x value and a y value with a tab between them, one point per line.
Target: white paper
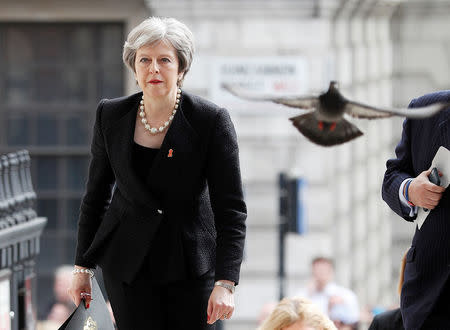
442	162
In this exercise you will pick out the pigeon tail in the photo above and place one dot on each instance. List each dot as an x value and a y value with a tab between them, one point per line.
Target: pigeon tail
332	133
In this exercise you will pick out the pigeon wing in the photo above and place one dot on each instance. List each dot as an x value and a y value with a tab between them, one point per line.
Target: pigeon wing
302	102
361	110
305	102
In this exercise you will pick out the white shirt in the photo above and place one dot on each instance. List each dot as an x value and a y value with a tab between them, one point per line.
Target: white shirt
412	209
346	312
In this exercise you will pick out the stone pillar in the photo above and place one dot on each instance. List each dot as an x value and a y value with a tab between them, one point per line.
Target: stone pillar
422	48
363	49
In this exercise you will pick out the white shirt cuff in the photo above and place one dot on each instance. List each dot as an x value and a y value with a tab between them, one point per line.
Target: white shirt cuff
412	209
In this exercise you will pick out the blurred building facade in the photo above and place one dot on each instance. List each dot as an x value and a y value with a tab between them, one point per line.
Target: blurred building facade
59	58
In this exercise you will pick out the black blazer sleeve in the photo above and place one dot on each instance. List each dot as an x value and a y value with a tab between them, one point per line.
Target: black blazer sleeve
397	170
98	192
227	201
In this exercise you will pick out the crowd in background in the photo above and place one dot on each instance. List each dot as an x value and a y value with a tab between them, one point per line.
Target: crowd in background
322	300
331	301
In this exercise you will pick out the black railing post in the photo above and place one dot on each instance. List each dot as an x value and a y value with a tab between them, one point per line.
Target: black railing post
20	230
282	230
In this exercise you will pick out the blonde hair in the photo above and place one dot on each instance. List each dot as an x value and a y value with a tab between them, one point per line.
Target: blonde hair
401	276
291	310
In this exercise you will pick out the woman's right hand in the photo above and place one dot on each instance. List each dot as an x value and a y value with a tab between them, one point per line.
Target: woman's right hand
80	288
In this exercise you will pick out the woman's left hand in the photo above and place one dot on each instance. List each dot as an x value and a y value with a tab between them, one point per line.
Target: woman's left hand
220	304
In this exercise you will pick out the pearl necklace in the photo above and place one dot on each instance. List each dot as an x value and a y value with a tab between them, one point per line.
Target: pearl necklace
161	129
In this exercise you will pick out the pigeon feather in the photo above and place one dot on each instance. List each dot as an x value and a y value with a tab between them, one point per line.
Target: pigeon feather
361	110
306	102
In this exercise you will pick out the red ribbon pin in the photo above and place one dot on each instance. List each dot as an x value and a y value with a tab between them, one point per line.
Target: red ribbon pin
170	153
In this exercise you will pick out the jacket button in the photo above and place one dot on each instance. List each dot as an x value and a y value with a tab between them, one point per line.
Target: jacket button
160	211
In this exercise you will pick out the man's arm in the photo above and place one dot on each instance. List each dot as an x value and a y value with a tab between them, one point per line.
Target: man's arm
398	170
402	190
407	206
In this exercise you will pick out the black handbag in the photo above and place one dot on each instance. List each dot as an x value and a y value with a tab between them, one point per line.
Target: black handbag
96	317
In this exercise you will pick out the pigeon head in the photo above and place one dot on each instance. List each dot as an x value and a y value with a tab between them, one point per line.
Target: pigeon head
334	85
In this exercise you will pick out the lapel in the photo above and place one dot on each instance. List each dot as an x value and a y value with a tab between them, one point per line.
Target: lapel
440	136
444	126
179	148
180	138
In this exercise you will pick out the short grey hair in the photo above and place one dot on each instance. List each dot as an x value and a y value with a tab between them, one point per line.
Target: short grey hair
155	29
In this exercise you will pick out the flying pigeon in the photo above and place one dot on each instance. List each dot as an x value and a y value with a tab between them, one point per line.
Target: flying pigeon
325	124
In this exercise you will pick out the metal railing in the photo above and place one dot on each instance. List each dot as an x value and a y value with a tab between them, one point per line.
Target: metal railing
20	230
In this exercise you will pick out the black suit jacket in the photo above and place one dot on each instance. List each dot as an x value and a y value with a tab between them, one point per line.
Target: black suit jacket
200	186
389	320
428	260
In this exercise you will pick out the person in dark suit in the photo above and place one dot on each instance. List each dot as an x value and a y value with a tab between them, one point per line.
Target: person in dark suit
391	319
163	214
426	288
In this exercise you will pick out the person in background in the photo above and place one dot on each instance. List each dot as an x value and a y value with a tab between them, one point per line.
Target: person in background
61	306
163	214
338	302
61	300
266	309
406	187
297	314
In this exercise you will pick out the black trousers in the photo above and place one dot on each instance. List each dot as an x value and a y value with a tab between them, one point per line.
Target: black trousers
168	306
439	318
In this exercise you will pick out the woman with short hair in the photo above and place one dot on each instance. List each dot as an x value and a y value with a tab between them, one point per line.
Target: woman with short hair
163	214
